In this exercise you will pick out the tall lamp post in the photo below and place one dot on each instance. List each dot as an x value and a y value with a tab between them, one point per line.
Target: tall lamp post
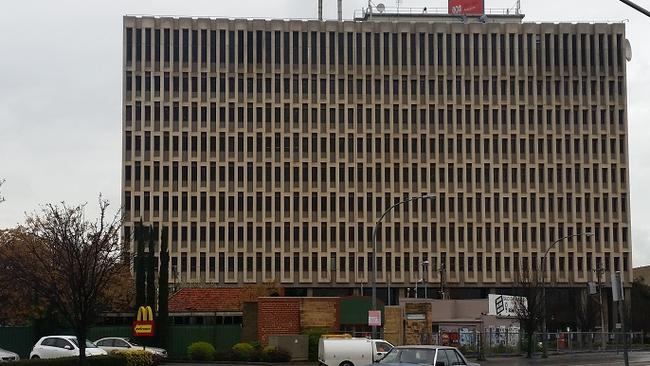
548	250
374	250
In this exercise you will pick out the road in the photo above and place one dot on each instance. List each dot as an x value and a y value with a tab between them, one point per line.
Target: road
581	359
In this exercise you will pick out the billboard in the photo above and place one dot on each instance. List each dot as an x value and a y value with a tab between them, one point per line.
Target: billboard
467	7
504	305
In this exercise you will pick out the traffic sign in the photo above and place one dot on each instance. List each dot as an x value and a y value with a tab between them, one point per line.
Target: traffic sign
374	318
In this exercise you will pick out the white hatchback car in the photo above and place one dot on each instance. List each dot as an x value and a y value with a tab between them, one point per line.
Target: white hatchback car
62	346
7	356
121	344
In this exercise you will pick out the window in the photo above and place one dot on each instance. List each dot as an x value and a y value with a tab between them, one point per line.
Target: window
120	343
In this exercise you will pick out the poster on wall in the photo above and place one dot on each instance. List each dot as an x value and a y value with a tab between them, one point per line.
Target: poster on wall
504	305
466	7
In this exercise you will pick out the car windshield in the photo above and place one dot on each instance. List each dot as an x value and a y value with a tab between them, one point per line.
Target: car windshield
133	342
391	357
89	344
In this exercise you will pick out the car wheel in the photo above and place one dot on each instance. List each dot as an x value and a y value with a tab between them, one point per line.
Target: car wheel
35	357
346	363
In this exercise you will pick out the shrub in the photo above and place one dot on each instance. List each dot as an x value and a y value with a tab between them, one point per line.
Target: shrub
137	358
314	337
245	352
200	351
272	354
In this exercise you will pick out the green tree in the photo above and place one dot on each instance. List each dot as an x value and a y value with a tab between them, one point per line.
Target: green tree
140	291
151	276
640	303
163	290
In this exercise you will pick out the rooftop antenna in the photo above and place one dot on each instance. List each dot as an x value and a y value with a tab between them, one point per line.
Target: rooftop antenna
339	9
320	10
398	4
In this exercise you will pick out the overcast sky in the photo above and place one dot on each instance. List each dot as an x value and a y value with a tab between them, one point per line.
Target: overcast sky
60	97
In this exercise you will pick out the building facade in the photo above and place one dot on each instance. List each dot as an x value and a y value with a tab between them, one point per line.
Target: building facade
269	148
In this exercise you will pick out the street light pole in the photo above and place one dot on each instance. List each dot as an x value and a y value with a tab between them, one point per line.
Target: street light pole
425	273
599	272
374	251
636	7
416	288
544	351
442	281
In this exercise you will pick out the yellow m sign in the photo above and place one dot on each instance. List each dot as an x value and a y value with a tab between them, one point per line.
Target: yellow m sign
145	314
143	326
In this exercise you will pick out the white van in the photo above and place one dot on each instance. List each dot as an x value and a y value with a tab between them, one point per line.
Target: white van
351	351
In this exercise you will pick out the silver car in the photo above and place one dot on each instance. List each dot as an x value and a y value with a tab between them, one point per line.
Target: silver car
425	355
122	344
7	356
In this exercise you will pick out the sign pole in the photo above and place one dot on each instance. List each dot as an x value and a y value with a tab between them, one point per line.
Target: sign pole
619	296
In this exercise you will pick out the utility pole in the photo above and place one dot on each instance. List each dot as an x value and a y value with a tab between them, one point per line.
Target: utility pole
599	272
442	281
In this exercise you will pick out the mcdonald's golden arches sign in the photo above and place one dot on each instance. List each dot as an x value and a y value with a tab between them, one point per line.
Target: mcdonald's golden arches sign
143	325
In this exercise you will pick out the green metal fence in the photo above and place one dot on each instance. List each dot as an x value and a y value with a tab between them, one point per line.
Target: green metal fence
17	339
222	337
21	339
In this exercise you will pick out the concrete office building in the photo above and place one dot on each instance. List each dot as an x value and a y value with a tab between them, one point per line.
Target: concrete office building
270	147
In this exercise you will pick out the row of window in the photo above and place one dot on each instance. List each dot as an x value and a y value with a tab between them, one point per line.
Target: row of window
364	118
285	177
342	204
395	264
349	147
390	87
379	49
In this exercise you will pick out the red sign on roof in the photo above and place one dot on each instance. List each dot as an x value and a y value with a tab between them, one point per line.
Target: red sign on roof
467	7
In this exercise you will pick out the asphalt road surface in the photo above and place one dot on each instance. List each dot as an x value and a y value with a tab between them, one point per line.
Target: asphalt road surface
582	359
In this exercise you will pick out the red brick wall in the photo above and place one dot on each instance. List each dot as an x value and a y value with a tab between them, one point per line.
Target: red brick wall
277	316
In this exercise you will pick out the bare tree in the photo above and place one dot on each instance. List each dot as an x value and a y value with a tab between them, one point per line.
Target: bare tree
18	304
585	308
528	306
2	198
67	260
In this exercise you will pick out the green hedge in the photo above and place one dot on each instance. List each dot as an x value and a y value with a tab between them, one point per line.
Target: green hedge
74	361
136	358
200	351
247	352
